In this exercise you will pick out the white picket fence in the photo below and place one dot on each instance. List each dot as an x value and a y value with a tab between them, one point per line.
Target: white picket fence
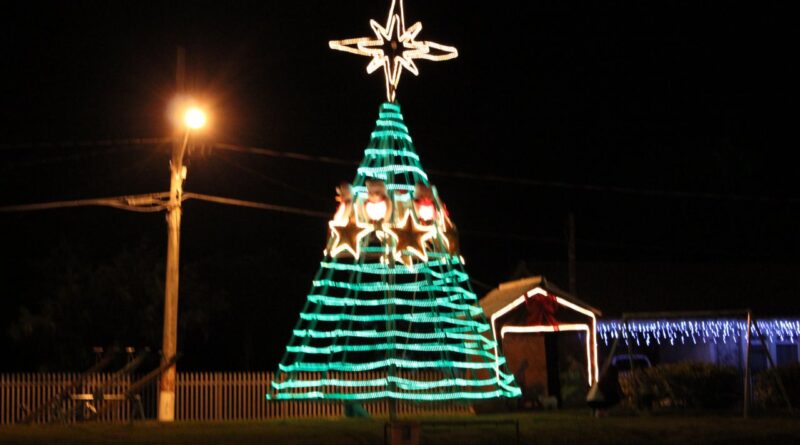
200	396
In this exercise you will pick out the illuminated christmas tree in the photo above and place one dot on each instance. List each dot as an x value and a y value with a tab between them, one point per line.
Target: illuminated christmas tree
391	313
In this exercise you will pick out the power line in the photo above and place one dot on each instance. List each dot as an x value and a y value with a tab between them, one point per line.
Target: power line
83	144
520	181
152	202
275	181
155	202
261	151
256	205
66	157
514	236
283	154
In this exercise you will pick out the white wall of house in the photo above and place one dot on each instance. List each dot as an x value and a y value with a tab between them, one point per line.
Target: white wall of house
732	353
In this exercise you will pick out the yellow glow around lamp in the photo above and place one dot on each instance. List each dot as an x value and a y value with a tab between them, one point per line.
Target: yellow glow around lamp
194	118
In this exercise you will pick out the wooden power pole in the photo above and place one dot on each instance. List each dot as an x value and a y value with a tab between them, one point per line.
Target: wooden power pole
166	394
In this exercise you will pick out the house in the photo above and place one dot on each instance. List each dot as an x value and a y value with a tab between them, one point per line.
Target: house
684	309
549	339
556	344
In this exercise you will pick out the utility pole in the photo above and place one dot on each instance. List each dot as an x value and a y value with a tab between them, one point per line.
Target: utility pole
166	394
572	267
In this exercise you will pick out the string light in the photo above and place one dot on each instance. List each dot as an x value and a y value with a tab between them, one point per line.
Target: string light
421	317
417	268
382	172
397	362
382	286
395	395
326	350
402	383
444	302
383	152
457	333
371	308
710	329
404	49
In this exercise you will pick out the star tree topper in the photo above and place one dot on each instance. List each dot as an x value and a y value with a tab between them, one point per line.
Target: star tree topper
394	48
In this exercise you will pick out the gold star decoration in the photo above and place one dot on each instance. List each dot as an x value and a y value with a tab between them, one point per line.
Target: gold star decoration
348	235
394	48
410	236
451	237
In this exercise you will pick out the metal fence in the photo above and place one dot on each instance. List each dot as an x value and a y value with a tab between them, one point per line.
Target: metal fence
210	396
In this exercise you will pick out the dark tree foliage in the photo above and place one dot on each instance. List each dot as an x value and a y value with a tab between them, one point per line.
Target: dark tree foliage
77	303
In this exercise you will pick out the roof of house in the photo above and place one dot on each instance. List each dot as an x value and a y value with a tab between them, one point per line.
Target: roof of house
509	291
770	289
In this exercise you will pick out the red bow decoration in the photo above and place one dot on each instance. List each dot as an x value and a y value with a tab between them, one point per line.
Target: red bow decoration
542	310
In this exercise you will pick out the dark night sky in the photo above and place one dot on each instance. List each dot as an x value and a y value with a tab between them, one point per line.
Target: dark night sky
663	119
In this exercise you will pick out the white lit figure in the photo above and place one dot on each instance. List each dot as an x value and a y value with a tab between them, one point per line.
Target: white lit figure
376	211
426	211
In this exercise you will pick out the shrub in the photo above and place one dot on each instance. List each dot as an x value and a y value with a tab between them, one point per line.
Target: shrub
767	392
691	385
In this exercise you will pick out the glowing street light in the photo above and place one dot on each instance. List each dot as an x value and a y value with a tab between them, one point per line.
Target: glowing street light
194	118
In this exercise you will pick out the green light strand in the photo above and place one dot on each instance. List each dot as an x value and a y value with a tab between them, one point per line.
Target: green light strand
383	172
421	317
335	349
401	395
398	362
391	134
390	187
390	115
381	250
424	303
416	268
458	333
393	124
378	286
382	152
402	383
390	107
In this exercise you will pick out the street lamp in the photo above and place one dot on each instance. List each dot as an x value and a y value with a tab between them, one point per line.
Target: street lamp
193	119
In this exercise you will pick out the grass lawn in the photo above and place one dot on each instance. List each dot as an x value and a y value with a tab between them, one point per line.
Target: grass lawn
569	427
